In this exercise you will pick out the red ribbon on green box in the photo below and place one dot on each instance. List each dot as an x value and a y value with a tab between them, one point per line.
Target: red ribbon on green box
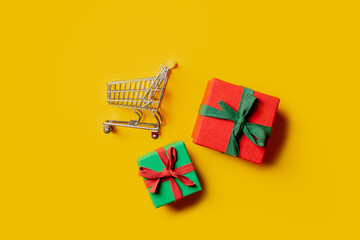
153	178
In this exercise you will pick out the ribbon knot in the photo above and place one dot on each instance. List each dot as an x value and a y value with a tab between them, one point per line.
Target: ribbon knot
241	120
153	178
166	173
256	133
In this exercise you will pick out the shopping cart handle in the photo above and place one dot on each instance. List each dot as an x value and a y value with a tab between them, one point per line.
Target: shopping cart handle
171	64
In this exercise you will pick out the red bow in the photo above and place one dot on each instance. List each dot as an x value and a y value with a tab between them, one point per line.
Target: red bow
168	173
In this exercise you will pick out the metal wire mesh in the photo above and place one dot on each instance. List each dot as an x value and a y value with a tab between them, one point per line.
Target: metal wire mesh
145	93
139	94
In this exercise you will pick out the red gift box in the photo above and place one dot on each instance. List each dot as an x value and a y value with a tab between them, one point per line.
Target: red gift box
215	133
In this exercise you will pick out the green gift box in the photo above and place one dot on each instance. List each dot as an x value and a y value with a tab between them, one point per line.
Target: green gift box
168	174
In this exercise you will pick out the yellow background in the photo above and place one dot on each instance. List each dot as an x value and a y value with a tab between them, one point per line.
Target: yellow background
61	177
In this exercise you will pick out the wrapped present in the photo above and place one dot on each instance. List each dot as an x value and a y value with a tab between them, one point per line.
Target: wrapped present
168	174
235	120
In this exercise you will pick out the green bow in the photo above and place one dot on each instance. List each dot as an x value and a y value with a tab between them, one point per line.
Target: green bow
255	132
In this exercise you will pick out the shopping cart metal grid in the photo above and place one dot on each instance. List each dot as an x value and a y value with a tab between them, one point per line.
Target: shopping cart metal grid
139	94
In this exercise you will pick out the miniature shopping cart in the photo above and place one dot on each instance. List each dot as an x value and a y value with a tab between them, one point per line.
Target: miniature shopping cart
139	94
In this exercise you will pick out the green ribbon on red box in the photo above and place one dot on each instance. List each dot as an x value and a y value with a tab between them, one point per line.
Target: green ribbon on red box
256	133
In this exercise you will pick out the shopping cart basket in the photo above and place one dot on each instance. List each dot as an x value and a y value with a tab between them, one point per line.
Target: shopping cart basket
139	94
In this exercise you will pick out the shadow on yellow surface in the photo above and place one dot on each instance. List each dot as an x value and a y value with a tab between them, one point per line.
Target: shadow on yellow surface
277	139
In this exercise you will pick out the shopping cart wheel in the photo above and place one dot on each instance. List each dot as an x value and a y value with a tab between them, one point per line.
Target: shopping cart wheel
108	129
154	135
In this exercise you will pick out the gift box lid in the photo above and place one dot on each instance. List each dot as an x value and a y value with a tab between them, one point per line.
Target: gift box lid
215	133
164	194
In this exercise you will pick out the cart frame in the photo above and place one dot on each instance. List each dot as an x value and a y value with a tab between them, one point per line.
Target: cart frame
139	94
